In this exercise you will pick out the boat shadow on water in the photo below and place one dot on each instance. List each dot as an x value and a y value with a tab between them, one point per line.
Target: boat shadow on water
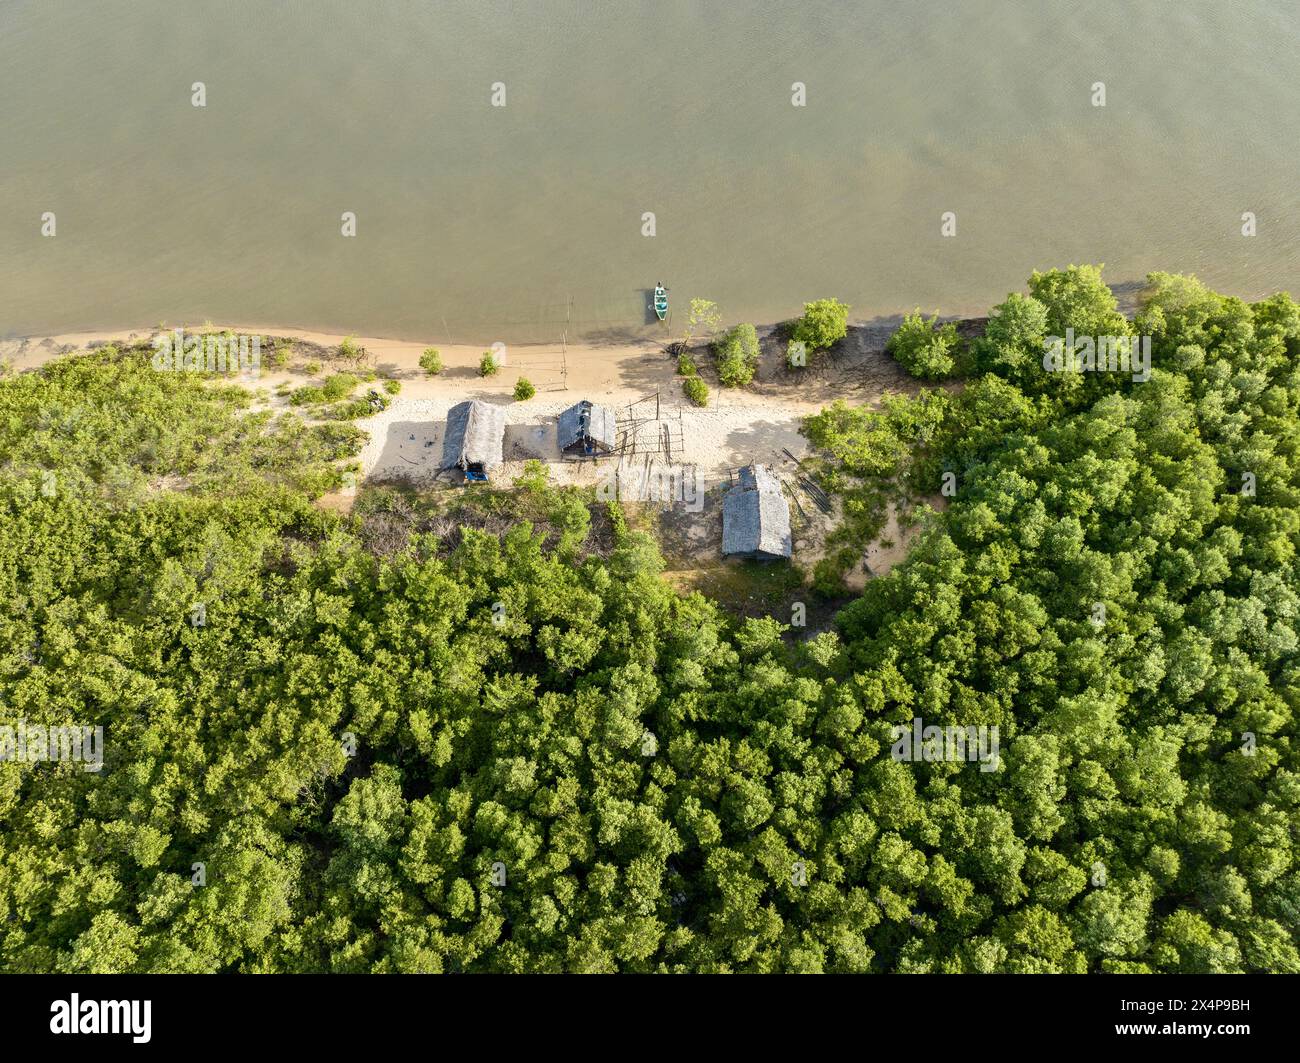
649	317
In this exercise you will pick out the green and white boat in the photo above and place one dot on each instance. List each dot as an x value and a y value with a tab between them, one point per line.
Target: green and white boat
661	301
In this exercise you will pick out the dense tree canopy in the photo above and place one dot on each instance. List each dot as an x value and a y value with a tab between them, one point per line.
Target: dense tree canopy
507	752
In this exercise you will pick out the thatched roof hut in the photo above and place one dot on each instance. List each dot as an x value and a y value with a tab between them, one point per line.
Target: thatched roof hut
759	478
475	431
756	517
587	430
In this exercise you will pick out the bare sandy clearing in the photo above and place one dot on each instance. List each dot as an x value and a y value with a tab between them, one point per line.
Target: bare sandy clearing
406	439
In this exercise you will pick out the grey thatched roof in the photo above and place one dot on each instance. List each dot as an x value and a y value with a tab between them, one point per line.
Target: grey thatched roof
757	477
475	431
586	419
756	516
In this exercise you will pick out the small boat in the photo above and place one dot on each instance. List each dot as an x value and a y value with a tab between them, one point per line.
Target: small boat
661	301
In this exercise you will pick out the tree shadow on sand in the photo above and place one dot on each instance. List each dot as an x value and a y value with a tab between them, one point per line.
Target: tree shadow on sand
533	440
411	450
765	443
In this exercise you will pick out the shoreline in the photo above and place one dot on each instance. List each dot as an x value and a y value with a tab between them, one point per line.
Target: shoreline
635	337
646	334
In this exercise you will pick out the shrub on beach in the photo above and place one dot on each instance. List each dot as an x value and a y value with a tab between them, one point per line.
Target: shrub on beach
824	322
524	389
333	388
350	352
350	410
431	361
338	386
392	386
924	348
696	390
685	365
487	365
737	356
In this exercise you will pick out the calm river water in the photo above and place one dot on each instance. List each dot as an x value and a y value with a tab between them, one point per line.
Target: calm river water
477	222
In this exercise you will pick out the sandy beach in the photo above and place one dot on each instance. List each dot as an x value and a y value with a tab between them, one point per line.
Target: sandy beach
636	379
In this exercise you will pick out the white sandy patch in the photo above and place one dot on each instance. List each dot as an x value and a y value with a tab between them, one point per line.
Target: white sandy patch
406	439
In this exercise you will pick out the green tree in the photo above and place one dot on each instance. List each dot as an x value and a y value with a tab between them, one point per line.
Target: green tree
924	348
824	323
702	322
736	356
